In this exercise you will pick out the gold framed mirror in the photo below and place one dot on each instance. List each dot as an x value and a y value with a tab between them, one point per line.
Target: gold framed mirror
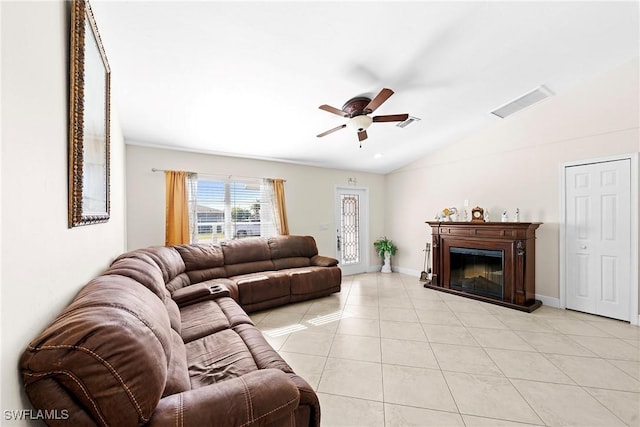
89	122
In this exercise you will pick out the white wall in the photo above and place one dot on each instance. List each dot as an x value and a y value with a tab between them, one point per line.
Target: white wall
44	263
515	164
310	193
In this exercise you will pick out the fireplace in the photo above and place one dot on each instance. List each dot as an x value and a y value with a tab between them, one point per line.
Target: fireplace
477	271
489	261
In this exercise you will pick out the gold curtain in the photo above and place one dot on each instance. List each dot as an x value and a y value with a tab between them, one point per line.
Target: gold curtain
177	209
280	205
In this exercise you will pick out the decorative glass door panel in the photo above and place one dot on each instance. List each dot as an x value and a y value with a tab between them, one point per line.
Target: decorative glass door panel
350	228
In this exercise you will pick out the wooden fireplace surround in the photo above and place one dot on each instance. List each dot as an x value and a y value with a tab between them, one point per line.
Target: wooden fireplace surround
516	240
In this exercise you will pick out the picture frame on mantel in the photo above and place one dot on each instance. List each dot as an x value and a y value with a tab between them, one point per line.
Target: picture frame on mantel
89	120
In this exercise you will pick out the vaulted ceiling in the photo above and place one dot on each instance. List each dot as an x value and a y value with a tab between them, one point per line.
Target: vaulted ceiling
246	78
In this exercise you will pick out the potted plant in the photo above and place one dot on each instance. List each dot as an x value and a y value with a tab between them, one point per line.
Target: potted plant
385	248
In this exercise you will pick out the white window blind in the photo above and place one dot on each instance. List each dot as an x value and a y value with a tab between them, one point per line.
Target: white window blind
224	209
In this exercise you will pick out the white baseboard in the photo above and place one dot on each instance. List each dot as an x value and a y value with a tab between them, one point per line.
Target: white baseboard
374	268
407	271
549	301
402	270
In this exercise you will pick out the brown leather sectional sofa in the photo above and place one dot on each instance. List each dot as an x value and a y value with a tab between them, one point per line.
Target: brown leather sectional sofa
161	339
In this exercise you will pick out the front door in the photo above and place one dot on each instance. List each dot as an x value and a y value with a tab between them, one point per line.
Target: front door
351	226
598	238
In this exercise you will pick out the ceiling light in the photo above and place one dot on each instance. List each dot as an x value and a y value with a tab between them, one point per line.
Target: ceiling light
360	123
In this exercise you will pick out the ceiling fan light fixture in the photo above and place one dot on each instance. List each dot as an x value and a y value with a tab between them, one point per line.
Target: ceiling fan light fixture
359	123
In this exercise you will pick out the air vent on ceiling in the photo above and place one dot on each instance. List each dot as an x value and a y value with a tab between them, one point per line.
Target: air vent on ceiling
407	122
526	100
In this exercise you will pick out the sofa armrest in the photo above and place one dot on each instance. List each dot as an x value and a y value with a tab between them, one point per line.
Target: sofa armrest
309	398
257	398
323	261
199	292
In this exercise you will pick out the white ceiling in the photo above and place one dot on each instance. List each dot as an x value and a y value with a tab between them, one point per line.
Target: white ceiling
246	78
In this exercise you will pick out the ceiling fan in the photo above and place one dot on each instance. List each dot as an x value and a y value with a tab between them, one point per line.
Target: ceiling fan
358	109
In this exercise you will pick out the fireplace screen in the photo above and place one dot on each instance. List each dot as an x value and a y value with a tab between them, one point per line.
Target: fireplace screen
477	271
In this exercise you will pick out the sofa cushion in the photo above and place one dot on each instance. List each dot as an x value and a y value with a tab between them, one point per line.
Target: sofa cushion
291	262
178	282
202	261
210	316
149	275
142	272
174	316
313	279
166	258
246	250
248	268
218	357
265	286
292	246
263	354
199	256
235	314
177	372
203	318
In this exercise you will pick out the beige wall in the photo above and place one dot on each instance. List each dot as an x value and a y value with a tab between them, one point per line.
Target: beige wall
515	163
44	263
310	193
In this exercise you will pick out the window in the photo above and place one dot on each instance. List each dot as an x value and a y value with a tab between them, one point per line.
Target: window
230	209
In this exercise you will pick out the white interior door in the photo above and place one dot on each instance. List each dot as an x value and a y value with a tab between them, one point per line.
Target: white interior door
352	207
598	238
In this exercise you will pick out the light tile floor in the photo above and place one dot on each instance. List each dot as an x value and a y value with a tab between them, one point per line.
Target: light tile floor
385	351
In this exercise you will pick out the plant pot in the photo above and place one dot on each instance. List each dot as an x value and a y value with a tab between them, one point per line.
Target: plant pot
386	268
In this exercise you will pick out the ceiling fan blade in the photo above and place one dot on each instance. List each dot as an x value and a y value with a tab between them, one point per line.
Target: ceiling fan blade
391	118
333	110
331	130
362	135
378	100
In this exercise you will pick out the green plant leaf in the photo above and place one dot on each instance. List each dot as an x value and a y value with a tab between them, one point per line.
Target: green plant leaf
383	245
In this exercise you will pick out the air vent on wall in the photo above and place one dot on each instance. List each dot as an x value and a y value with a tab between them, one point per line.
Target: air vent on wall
526	100
407	122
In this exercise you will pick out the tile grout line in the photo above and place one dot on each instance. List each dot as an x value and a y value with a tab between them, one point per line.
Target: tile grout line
324	367
384	406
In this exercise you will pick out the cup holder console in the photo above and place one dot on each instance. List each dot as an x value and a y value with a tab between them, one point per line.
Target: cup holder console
218	291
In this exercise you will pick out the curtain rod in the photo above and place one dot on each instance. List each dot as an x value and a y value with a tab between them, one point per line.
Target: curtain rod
217	174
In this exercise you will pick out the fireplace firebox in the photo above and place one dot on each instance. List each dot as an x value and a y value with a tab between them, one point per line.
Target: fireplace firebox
477	271
489	261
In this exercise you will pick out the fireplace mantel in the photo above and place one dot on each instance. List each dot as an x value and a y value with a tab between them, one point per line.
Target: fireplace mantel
515	241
